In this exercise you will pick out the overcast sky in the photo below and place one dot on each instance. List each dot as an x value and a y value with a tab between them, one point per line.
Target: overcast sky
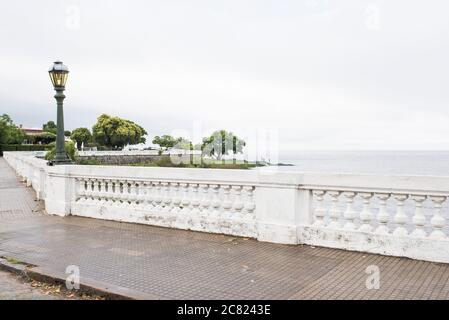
323	74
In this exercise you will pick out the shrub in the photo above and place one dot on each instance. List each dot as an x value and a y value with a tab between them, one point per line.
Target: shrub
45	137
69	149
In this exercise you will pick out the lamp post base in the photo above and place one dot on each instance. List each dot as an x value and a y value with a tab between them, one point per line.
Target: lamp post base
59	162
63	162
61	158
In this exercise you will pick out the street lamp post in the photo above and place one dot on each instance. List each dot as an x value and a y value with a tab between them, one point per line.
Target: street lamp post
58	75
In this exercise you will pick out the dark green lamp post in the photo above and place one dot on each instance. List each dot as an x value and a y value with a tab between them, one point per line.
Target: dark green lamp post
58	75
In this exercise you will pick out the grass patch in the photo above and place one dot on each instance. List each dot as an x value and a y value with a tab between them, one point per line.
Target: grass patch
167	162
13	260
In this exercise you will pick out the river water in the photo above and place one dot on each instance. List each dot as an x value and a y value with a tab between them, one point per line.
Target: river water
434	163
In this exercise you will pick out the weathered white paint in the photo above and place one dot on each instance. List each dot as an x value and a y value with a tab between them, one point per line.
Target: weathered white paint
391	215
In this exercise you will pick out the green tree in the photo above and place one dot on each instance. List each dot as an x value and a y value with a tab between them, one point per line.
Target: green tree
9	132
67	133
69	149
50	126
166	142
45	137
182	143
81	135
116	132
221	143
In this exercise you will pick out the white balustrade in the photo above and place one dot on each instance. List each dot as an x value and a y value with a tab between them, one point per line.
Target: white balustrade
402	216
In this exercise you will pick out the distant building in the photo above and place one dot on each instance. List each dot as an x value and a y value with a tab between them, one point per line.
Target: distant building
35	132
31	131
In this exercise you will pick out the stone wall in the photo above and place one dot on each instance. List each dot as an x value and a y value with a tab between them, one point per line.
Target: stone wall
118	159
131	157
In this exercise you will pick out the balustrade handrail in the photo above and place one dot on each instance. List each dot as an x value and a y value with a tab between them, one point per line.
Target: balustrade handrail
418	192
298	179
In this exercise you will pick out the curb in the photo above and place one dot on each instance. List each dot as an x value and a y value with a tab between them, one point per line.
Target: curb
18	269
90	286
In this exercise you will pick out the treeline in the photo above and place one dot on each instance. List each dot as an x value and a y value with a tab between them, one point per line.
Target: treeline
217	145
9	132
114	133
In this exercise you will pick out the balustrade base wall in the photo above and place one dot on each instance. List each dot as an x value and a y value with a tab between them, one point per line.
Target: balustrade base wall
384	244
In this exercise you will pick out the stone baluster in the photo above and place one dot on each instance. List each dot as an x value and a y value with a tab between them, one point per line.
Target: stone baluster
419	220
121	193
400	217
366	216
114	192
334	211
185	202
99	192
141	189
117	189
227	203
176	198
215	201
89	188
249	205
95	190
320	211
102	191
157	197
120	188
166	199
350	213
149	204
238	202
438	222
110	191
183	215
129	194
81	189
86	189
195	203
205	201
134	193
382	216
124	193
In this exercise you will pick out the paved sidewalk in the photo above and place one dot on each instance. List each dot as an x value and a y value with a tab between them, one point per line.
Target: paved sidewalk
160	263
